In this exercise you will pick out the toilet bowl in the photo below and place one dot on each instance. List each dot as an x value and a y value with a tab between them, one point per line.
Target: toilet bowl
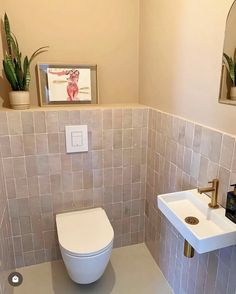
86	241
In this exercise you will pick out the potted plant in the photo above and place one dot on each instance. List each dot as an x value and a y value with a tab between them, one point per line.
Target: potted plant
16	71
231	67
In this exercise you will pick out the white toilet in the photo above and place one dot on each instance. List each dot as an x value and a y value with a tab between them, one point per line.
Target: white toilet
86	241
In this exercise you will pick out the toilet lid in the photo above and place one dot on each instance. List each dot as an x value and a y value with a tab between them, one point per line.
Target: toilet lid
84	232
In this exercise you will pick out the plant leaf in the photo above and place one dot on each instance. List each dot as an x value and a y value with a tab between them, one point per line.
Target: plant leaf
37	52
26	69
27	79
10	75
25	64
7	30
16	49
11	64
231	67
19	75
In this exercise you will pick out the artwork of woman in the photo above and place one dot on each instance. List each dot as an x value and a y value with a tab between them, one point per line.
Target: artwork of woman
72	79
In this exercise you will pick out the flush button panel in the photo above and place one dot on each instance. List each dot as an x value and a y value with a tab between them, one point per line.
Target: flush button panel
76	138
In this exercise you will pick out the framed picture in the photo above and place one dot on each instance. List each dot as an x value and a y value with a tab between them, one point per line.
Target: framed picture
61	84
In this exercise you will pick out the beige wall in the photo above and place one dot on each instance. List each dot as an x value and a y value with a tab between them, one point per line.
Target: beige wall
180	50
181	46
105	32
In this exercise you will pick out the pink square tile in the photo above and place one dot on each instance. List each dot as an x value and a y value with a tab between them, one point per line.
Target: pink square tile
66	162
74	117
98	178
54	164
77	180
29	144
52	124
116	118
44	185
19	167
97	119
107	119
25	224
137	119
77	162
27	122
87	179
63	120
17	146
14	123
127	138
227	151
33	186
11	188
53	143
117	139
67	184
107	139
41	143
27	243
126	118
97	139
5	146
22	188
3	124
39	122
31	166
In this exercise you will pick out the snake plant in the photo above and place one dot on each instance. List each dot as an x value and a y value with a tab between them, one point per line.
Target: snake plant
16	71
231	67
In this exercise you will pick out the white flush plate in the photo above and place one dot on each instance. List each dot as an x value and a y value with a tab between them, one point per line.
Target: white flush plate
76	138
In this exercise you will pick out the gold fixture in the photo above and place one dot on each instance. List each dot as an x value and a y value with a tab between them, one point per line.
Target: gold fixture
191	220
188	250
214	190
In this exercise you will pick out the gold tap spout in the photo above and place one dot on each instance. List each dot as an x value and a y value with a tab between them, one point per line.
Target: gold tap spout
214	190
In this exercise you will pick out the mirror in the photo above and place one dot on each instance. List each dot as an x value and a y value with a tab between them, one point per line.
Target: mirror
228	74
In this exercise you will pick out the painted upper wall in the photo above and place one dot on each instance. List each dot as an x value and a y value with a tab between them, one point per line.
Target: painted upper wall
105	32
181	45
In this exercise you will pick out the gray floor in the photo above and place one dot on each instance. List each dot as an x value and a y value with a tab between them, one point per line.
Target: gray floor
131	270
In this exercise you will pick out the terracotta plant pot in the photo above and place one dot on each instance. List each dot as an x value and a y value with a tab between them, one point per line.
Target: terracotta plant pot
233	93
19	100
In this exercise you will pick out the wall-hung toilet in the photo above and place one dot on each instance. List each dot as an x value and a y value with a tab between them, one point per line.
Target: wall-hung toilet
86	241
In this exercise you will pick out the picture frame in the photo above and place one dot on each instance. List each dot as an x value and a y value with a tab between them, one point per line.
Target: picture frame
67	84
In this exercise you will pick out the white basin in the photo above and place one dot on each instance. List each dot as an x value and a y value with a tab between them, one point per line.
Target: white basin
214	230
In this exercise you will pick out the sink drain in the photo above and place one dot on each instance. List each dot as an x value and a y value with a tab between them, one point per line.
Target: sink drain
191	220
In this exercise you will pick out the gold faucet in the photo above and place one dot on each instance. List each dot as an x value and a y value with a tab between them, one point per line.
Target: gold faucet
214	189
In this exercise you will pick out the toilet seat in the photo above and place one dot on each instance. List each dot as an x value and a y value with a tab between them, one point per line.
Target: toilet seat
91	254
84	233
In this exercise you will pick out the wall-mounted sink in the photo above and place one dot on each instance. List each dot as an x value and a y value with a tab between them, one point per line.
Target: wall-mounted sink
213	231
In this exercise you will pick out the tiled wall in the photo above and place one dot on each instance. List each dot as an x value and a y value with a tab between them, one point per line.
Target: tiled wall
42	180
6	254
6	245
183	155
